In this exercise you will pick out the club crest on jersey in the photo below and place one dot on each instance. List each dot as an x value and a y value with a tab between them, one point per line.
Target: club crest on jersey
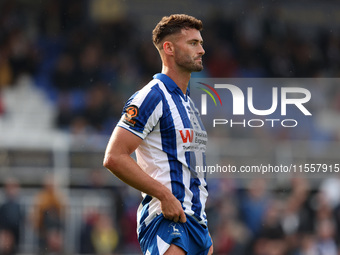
131	112
174	229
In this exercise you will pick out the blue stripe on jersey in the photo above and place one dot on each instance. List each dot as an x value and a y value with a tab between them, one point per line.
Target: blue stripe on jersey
128	102
204	165
190	158
205	177
147	199
196	203
197	115
194	184
182	111
147	107
145	211
169	145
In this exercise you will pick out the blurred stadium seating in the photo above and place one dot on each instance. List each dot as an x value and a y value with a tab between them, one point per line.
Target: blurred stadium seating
67	66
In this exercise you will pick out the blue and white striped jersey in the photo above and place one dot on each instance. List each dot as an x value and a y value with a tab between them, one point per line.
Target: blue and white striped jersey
174	143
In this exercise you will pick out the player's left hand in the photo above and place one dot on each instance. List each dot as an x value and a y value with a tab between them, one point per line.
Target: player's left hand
172	209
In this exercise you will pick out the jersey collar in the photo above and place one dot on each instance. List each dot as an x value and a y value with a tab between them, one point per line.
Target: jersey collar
170	84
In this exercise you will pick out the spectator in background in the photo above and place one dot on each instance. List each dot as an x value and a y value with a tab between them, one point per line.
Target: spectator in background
63	76
308	245
254	205
97	108
48	217
11	217
230	236
325	237
86	245
2	106
6	243
88	70
330	188
98	234
271	238
23	58
297	216
5	68
16	51
104	236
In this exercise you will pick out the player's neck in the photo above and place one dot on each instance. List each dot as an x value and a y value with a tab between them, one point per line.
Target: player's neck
180	78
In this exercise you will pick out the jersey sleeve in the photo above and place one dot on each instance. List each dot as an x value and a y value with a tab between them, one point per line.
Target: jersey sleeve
142	112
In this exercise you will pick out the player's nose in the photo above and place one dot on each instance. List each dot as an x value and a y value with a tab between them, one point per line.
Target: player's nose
201	50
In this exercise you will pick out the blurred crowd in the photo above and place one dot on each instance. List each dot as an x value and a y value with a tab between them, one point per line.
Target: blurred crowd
45	218
89	69
293	219
290	220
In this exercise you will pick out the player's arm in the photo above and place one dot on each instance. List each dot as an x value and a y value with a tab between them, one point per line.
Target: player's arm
118	160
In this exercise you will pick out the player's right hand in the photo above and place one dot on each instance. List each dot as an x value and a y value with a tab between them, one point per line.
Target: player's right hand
172	209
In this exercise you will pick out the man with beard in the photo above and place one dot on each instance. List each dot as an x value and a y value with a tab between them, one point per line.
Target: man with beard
160	123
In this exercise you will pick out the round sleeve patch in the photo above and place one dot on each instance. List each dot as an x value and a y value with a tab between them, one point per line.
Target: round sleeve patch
131	112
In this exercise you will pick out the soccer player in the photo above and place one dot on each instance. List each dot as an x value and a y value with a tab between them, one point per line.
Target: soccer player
161	123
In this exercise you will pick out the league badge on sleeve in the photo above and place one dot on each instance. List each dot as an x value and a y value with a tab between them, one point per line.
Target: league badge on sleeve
131	112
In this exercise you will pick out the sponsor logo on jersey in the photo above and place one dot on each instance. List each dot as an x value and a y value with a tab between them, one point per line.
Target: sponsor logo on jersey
187	135
193	140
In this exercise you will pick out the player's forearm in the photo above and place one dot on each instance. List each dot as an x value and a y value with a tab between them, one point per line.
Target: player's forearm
127	170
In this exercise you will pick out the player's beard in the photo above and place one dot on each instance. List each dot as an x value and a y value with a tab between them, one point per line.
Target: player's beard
189	64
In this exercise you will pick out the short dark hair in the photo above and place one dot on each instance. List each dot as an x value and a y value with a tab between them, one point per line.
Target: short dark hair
174	24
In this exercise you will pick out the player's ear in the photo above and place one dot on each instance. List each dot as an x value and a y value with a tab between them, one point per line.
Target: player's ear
168	48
